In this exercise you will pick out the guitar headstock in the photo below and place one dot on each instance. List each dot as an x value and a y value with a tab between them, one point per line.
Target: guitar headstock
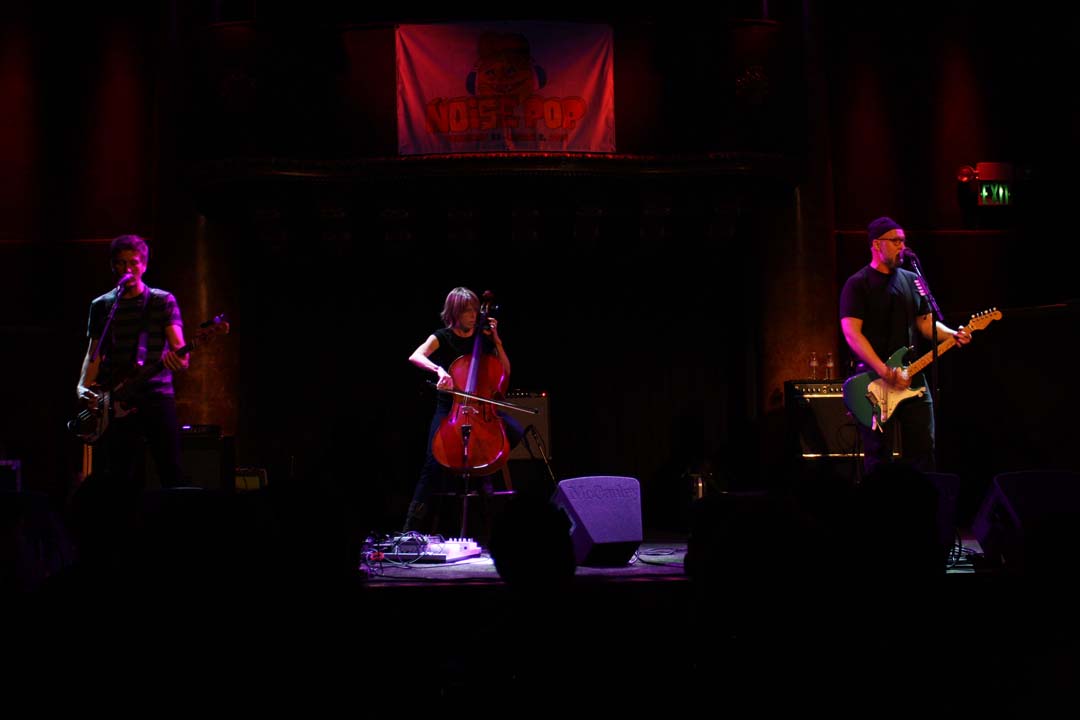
981	320
213	327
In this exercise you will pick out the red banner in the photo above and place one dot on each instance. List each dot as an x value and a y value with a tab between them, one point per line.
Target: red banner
496	87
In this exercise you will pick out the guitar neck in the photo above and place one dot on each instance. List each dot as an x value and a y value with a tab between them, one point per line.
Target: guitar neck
917	367
207	331
977	322
148	371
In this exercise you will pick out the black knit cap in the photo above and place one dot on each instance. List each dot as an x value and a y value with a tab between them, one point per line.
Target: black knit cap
879	227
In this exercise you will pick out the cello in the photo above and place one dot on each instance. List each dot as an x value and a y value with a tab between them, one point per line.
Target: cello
472	438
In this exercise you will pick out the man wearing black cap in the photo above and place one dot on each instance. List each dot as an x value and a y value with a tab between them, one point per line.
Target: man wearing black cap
880	312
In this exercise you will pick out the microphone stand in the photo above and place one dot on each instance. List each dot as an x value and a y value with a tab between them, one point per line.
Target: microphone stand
466	432
935	316
88	451
543	451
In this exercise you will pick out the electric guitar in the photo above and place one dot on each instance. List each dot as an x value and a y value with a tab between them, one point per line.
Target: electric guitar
91	422
872	401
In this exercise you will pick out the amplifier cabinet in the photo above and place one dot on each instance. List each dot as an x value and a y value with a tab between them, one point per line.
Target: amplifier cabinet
820	423
540	422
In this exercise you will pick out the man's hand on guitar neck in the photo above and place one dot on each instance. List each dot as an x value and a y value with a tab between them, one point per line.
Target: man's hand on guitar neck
175	335
174	362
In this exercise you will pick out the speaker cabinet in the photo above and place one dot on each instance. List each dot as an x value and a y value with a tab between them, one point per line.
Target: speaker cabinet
1029	507
605	518
819	422
538	422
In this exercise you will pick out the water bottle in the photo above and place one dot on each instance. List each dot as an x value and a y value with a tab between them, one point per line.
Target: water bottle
813	366
697	486
830	366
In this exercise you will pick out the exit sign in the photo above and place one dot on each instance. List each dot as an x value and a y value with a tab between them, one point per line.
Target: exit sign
994	193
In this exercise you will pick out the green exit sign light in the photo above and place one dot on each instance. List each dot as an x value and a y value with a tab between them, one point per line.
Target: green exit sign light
994	193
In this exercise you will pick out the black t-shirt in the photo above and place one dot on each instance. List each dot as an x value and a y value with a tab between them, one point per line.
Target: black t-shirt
887	305
451	347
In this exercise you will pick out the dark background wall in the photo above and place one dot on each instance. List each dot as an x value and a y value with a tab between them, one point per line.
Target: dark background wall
661	297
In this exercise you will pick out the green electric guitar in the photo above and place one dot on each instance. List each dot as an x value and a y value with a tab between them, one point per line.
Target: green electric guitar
872	401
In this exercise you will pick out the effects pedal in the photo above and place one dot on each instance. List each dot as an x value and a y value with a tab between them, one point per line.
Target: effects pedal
416	548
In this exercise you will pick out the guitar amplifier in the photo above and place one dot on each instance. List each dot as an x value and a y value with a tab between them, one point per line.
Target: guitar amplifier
250	478
539	422
206	459
820	422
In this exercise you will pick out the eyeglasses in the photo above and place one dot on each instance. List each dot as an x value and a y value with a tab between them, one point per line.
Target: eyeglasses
896	241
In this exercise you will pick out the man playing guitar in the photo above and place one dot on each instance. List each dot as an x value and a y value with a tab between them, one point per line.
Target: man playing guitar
881	310
132	327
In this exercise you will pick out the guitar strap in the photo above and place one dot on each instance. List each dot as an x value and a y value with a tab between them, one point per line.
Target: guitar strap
144	333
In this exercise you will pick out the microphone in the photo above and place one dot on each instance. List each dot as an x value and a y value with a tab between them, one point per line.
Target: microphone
124	280
908	255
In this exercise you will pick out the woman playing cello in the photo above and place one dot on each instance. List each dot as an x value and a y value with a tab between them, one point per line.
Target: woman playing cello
457	339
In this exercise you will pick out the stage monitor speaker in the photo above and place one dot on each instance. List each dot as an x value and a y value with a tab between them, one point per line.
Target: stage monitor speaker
206	459
605	518
539	422
821	423
1020	506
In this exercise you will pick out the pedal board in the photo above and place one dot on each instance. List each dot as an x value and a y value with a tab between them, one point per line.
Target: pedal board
432	549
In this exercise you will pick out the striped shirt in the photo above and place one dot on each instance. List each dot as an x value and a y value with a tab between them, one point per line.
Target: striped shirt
119	348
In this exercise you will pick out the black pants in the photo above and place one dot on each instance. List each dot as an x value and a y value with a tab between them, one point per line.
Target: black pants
916	419
152	425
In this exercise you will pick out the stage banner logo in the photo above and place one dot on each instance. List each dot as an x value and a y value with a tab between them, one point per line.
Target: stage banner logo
498	87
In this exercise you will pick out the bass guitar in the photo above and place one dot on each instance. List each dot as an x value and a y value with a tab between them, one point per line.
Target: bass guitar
91	422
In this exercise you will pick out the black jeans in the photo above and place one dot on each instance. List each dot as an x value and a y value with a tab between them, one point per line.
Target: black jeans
123	447
916	419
